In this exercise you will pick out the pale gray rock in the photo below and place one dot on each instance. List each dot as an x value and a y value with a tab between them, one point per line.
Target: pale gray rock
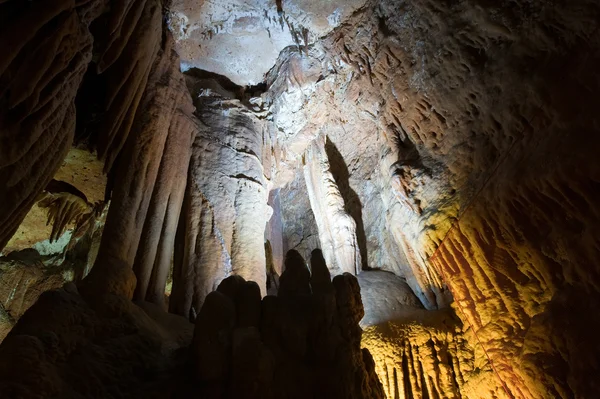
337	229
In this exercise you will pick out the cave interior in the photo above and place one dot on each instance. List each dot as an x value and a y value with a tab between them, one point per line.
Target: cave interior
298	199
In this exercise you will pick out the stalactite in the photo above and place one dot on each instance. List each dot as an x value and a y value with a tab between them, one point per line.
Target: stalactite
155	252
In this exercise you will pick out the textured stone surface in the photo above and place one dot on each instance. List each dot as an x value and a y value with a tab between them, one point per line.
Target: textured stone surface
242	39
46	52
336	228
226	210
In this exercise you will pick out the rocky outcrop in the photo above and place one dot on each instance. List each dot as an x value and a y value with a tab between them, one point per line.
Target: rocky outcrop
297	345
64	345
337	229
226	211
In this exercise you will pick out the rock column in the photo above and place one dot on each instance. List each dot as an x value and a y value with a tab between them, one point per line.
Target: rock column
226	211
337	229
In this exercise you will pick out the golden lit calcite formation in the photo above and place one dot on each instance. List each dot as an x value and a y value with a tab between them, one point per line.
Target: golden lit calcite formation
337	229
426	355
531	306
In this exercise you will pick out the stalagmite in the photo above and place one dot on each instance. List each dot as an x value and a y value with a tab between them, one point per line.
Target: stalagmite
337	229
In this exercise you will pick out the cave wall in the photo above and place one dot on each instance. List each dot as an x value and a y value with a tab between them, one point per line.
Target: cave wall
491	110
46	52
477	147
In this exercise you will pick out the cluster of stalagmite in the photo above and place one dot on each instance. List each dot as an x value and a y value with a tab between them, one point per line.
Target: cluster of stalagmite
305	342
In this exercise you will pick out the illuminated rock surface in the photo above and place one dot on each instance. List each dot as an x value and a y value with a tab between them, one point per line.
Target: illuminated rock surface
444	152
337	229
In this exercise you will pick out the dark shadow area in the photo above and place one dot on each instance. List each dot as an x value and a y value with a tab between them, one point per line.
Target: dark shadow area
199	80
352	203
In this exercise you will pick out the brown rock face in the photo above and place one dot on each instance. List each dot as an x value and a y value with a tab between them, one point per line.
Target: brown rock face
46	50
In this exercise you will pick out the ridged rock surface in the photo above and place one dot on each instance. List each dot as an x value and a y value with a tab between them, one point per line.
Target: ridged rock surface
226	210
46	51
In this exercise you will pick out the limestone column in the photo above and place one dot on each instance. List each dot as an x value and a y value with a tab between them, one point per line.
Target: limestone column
337	229
226	211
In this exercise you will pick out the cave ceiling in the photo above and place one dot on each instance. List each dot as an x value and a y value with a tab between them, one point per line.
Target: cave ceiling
243	39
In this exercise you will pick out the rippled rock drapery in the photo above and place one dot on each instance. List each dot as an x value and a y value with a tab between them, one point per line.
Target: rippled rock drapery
46	50
225	211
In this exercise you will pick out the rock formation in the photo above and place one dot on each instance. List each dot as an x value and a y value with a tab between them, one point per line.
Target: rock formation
299	344
443	152
226	210
337	229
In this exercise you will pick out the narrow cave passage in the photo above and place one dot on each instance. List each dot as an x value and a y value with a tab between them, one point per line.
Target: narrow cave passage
292	199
